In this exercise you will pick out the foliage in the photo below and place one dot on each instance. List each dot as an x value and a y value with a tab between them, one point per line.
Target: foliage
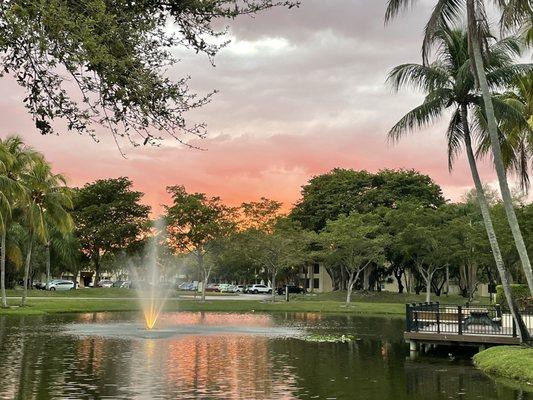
114	56
519	292
109	219
342	191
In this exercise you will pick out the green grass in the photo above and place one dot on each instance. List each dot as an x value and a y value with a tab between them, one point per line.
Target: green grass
114	299
73	305
509	362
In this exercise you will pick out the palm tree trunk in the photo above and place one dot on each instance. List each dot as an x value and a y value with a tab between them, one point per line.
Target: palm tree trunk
48	265
496	150
27	271
3	269
489	227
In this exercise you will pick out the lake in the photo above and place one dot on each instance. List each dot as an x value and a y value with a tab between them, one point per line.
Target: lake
227	356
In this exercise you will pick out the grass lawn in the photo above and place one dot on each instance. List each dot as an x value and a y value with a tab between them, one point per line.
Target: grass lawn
114	299
510	362
73	305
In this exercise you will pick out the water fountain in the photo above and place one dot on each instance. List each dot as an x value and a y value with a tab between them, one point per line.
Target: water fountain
152	290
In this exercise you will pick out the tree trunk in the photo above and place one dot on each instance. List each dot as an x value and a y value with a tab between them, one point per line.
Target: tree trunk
3	269
27	271
273	285
495	143
487	220
96	269
48	266
351	282
428	288
447	280
200	259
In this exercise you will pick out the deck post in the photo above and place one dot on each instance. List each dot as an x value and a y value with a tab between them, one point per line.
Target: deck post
408	317
438	317
460	319
413	349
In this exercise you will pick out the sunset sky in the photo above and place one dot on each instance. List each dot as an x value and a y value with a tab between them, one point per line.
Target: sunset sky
301	92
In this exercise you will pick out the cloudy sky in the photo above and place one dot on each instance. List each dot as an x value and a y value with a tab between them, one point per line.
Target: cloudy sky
301	92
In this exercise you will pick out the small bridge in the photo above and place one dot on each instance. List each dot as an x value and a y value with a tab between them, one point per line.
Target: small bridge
481	326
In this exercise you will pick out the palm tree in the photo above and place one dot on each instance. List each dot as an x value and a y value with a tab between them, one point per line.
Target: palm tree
450	84
445	12
14	159
516	136
47	205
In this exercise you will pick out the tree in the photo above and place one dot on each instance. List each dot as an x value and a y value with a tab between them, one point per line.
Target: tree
342	191
445	12
260	215
516	138
47	203
109	218
116	55
354	243
195	222
14	159
278	250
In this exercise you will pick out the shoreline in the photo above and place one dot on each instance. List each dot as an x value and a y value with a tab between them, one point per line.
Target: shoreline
512	365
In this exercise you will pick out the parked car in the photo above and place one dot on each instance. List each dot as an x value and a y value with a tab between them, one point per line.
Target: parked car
292	289
105	283
39	285
212	287
121	284
60	284
255	289
226	288
239	288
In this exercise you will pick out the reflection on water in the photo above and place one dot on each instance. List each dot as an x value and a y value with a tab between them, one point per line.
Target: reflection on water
40	362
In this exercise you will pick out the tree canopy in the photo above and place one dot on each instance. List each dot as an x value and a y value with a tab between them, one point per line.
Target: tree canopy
114	56
342	191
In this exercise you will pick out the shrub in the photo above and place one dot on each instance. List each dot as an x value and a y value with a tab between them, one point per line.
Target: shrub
520	294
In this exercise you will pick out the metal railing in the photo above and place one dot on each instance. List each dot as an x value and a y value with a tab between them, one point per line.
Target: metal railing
463	320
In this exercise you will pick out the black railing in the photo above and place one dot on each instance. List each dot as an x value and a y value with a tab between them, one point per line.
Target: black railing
463	320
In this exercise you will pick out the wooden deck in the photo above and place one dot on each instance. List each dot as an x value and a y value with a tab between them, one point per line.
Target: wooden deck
435	324
464	340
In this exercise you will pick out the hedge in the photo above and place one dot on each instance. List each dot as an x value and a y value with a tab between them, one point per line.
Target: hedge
519	292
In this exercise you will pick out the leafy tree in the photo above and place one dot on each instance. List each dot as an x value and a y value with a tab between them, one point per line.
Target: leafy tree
260	215
194	223
115	54
279	250
354	243
109	218
342	191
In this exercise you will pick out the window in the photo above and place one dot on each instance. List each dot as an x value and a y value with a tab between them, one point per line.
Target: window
316	283
316	268
307	283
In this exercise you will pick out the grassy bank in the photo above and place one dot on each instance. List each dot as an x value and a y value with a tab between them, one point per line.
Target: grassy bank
514	363
113	299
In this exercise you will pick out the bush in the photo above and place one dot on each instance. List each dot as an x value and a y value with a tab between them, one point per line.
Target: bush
520	294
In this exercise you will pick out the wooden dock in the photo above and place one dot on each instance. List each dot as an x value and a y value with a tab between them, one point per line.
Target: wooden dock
431	324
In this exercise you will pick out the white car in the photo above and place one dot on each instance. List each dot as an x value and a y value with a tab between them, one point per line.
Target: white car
60	284
255	289
238	289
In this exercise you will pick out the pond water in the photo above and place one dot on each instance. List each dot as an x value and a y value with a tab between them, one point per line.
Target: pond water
226	356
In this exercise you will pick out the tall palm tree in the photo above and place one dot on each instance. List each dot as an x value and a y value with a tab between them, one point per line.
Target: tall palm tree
48	200
14	159
449	84
445	12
